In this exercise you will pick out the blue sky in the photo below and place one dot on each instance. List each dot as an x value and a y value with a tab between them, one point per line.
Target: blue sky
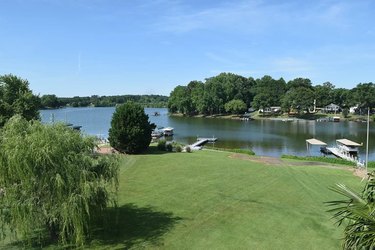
115	47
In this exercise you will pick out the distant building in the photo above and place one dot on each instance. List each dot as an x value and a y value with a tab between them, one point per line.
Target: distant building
332	108
270	110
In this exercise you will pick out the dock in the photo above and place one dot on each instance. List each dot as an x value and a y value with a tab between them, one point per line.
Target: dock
201	141
346	156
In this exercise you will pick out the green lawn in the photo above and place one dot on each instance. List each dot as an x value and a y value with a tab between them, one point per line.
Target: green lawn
206	200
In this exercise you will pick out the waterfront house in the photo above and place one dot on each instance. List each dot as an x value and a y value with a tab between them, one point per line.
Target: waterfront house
332	108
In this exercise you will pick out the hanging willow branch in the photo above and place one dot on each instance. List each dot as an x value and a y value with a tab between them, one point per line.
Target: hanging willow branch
52	182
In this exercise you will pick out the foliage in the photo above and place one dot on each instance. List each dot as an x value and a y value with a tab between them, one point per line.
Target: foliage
169	147
235	106
162	144
50	101
130	130
211	96
299	98
17	98
53	182
268	92
178	148
357	213
363	94
188	149
150	101
319	159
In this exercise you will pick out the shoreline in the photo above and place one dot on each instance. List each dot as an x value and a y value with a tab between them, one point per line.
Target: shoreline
283	117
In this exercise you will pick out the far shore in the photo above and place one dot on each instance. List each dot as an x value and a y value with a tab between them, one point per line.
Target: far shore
258	116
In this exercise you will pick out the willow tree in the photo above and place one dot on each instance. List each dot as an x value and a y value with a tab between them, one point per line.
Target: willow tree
51	181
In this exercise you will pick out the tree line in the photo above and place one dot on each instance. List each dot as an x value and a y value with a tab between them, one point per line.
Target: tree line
232	93
151	101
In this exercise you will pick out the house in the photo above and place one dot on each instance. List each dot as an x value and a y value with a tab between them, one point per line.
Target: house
271	110
353	110
331	108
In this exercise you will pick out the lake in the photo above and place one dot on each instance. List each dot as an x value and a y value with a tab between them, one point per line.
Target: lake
264	137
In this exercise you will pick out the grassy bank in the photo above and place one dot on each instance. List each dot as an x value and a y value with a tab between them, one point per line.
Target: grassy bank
215	200
207	200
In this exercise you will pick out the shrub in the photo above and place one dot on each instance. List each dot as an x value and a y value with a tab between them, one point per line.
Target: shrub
130	130
169	147
178	148
162	145
188	149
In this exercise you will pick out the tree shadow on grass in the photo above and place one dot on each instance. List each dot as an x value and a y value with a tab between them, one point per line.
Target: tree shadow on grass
130	225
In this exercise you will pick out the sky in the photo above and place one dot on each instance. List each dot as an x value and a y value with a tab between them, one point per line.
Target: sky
117	47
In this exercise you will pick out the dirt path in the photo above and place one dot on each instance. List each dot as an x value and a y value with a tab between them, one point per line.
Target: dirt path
266	160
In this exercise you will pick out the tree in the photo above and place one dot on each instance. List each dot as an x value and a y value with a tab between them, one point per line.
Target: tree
363	94
17	98
179	100
324	94
235	106
49	101
268	92
52	183
357	212
300	99
130	130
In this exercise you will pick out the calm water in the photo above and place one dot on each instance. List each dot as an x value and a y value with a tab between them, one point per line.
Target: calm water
264	137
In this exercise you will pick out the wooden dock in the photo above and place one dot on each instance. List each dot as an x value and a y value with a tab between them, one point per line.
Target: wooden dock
201	141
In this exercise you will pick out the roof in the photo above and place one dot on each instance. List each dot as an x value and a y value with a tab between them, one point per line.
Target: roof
332	105
347	142
315	142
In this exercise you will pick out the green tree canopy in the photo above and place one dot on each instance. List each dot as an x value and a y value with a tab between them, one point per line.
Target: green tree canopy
235	106
300	99
17	98
130	130
268	92
50	101
363	94
52	182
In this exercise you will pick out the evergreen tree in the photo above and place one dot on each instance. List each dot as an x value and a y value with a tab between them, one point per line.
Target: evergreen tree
130	130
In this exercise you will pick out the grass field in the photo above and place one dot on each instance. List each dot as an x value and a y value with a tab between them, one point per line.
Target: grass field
208	200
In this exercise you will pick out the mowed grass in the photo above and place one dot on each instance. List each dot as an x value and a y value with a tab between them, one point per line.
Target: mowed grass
208	200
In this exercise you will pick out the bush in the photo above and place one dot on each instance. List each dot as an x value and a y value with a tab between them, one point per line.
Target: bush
178	148
130	130
162	145
169	147
188	149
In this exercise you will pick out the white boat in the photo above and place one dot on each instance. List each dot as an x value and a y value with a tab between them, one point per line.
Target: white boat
168	131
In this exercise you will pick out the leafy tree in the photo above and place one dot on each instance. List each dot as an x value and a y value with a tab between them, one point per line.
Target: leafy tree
130	130
17	98
50	101
324	94
52	183
298	83
235	106
363	94
300	99
268	92
179	100
356	212
196	91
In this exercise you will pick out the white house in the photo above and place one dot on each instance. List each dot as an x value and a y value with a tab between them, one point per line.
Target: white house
332	108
